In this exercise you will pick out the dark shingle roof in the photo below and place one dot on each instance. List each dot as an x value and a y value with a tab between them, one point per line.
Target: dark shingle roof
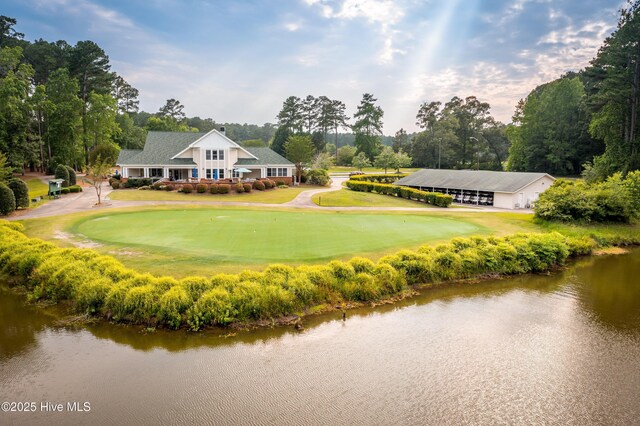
480	180
265	156
160	147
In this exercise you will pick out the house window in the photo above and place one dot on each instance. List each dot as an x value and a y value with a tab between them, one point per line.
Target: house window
220	173
208	173
277	172
235	174
221	155
208	154
156	173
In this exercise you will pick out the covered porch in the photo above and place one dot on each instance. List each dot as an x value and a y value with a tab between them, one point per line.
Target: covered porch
171	173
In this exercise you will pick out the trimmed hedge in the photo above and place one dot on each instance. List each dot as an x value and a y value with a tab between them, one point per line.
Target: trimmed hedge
137	182
239	188
259	185
7	200
434	198
100	285
20	192
379	178
75	188
201	188
62	172
224	188
247	187
187	188
73	179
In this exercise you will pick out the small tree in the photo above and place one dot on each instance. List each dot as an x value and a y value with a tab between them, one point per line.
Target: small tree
360	161
62	173
345	155
299	150
7	200
20	192
386	159
97	173
322	160
402	160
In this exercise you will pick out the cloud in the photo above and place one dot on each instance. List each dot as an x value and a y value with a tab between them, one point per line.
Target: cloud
382	15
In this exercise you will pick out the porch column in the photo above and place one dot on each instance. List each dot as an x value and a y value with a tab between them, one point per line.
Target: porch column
165	173
145	172
125	172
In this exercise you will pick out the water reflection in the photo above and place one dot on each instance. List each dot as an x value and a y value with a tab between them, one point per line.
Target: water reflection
561	348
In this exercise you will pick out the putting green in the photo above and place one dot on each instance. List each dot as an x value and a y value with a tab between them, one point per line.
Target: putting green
252	236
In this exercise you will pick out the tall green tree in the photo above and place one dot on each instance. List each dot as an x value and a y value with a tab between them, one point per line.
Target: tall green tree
549	133
64	123
368	126
401	141
125	95
299	150
130	136
471	115
46	57
15	108
614	85
172	109
101	126
280	139
89	65
291	116
9	37
309	111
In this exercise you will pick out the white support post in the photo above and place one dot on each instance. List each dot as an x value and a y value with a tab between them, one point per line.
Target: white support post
145	173
165	173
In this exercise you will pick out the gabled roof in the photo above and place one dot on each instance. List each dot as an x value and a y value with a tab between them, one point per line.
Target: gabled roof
159	148
202	135
476	180
263	156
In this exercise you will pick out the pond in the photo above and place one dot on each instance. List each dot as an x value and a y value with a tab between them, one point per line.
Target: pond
562	348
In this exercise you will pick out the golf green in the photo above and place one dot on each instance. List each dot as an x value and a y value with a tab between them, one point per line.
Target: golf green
253	236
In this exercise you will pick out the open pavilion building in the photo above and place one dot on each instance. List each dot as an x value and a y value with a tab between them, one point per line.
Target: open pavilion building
507	190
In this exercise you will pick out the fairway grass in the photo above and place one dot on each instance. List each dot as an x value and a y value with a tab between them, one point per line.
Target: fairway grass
276	196
348	198
199	240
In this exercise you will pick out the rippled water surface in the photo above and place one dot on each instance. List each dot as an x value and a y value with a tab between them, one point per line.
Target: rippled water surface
556	349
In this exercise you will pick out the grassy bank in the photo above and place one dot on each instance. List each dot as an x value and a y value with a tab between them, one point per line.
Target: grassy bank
99	285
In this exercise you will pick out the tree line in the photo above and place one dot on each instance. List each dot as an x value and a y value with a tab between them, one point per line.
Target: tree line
585	122
62	104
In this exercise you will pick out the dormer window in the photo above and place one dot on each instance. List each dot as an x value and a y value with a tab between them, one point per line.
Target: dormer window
213	154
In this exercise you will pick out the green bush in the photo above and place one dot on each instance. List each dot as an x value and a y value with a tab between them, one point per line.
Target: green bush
187	188
247	187
224	188
75	188
170	187
318	177
214	189
73	179
433	198
62	173
20	192
379	178
239	188
610	201
137	182
115	184
280	182
259	185
201	188
172	304
65	190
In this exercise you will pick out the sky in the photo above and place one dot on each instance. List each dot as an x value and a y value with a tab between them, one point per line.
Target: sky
237	61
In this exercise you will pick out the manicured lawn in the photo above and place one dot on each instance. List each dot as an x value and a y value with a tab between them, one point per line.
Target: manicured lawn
198	240
348	198
274	196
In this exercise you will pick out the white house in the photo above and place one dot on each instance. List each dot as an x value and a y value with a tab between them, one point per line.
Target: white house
507	190
212	155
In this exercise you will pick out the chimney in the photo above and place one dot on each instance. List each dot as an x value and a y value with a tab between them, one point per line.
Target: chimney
222	130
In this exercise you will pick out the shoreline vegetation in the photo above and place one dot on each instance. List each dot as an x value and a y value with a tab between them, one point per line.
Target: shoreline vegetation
99	286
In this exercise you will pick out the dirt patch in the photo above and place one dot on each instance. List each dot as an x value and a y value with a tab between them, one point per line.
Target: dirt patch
125	253
85	243
610	250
